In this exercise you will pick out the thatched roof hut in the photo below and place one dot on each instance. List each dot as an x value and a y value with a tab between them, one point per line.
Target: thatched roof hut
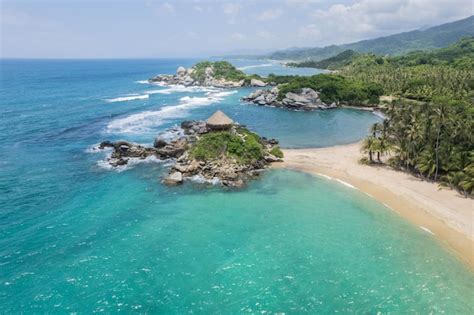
219	121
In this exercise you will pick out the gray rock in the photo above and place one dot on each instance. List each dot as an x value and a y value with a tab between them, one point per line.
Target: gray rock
256	82
175	178
181	71
296	98
180	167
272	159
106	144
159	143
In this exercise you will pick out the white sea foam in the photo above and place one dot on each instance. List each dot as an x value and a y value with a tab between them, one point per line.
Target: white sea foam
145	121
131	163
201	180
325	176
95	149
256	66
426	230
183	89
128	98
346	184
142	82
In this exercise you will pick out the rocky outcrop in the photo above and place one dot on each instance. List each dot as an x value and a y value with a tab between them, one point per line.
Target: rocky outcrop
175	178
224	169
185	77
306	99
124	151
256	82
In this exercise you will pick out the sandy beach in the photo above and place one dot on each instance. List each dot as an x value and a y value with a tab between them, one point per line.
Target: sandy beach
442	212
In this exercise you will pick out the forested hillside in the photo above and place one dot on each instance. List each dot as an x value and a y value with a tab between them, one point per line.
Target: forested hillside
397	44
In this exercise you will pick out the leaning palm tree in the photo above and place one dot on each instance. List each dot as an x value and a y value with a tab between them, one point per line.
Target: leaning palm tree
369	147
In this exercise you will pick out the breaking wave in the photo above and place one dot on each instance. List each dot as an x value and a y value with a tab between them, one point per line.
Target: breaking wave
128	98
183	89
148	120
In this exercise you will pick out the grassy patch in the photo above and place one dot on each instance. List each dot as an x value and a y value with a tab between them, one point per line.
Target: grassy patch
245	146
276	151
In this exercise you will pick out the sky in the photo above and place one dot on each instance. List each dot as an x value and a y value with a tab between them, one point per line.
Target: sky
197	28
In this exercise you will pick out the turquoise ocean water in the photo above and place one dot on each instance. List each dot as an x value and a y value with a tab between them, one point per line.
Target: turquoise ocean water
78	237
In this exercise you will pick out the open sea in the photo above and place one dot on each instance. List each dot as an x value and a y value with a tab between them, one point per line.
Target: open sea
78	237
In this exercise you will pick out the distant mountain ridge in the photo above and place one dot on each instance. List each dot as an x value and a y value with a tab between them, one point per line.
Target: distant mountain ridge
398	44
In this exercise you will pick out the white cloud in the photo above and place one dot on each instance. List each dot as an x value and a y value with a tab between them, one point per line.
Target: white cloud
303	3
265	34
310	31
270	15
238	36
372	18
13	18
168	7
232	8
198	8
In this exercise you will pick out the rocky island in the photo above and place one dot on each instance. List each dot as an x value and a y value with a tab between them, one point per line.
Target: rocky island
220	74
217	150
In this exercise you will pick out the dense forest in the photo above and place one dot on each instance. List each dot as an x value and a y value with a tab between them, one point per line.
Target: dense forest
332	63
432	134
434	140
418	75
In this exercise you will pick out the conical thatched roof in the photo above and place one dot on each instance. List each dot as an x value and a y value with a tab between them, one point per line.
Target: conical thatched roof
219	120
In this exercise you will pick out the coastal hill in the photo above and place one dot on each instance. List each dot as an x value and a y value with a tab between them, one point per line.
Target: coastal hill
397	44
459	55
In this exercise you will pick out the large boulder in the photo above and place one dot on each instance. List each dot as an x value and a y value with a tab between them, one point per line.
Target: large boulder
293	97
159	143
175	178
106	144
181	71
256	82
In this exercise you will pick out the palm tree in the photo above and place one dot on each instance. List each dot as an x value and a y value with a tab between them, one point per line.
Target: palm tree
369	146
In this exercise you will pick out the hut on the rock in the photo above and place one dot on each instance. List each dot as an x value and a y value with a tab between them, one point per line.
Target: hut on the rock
219	121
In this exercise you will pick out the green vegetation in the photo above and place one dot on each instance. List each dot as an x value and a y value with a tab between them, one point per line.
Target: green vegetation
276	151
333	88
420	76
244	146
221	69
434	140
398	44
460	55
332	63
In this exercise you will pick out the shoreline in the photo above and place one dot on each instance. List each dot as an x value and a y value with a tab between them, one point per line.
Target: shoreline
444	213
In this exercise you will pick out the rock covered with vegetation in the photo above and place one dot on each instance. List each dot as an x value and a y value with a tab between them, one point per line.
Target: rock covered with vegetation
320	91
229	155
220	74
232	156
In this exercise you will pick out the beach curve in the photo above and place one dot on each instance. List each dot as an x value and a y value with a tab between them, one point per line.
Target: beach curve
443	213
